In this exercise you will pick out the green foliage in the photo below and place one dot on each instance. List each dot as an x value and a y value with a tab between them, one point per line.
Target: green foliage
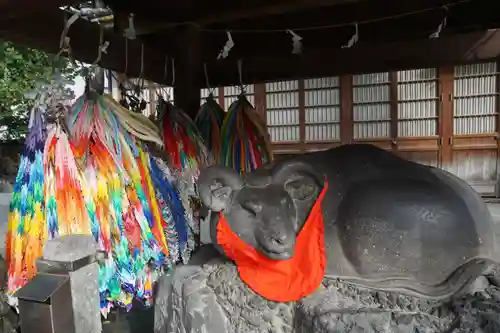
20	68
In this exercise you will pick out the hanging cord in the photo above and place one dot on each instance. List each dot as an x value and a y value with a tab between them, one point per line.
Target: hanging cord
240	75
165	69
142	61
323	27
173	72
207	81
165	75
126	55
141	75
94	76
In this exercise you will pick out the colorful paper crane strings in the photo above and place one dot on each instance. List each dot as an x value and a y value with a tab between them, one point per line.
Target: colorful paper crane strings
246	145
97	178
209	122
183	141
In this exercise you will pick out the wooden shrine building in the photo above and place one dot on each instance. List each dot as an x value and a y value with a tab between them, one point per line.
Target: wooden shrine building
394	58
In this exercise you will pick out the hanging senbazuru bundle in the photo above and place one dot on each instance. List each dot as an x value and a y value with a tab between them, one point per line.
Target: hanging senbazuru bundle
182	139
209	122
125	215
245	141
26	233
187	154
27	225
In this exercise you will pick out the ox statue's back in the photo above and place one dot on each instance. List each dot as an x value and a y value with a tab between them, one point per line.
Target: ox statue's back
413	233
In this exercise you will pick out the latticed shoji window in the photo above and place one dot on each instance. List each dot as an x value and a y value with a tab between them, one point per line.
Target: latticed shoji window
231	93
474	104
205	92
371	106
167	93
282	110
417	102
322	109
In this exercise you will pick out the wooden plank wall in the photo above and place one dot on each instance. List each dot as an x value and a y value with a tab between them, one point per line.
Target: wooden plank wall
446	117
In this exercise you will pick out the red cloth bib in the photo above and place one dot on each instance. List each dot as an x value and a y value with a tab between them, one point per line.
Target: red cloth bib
281	280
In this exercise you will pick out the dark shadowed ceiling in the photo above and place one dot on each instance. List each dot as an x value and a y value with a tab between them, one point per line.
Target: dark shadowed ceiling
392	34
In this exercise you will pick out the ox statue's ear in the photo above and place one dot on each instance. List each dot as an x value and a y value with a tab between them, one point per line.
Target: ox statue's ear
215	186
300	179
302	187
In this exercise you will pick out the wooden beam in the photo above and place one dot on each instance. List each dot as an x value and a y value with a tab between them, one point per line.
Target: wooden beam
269	8
237	12
423	53
188	78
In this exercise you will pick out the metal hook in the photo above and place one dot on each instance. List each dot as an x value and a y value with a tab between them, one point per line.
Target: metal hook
103	47
64	46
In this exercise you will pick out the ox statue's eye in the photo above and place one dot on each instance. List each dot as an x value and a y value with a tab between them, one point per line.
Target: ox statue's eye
252	207
301	189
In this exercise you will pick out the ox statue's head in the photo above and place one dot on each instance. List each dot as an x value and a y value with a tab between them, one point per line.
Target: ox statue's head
266	208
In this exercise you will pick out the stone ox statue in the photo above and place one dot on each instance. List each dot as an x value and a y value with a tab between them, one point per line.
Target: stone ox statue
413	233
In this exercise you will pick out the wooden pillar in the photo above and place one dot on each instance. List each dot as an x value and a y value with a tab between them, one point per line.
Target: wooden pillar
393	77
260	100
221	98
302	115
497	110
445	129
346	110
188	70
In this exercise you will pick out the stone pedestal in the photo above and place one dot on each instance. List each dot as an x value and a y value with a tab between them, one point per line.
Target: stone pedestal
78	252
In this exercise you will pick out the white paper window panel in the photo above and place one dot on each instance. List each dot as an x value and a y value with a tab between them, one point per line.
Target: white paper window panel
417	127
321	83
282	100
475	106
372	112
417	109
474	125
322	97
318	115
471	86
229	100
367	94
323	132
167	93
284	133
487	68
423	74
417	90
205	92
281	86
236	90
282	117
367	130
373	78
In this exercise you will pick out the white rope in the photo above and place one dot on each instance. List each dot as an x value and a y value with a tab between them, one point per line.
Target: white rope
323	27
